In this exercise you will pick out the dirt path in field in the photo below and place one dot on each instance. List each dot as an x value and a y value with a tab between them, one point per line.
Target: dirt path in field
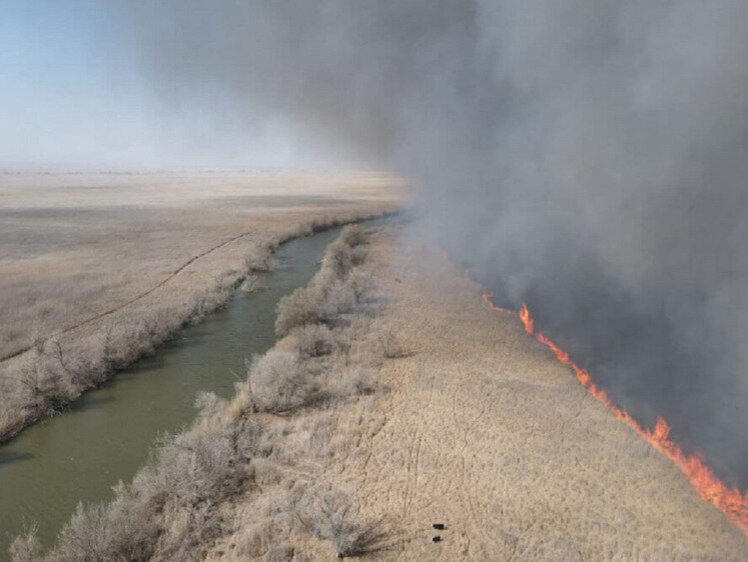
135	299
149	291
483	430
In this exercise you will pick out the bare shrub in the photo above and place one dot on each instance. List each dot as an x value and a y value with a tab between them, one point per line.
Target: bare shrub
339	298
341	258
26	547
203	303
278	381
250	284
333	290
209	405
126	529
331	515
359	381
260	258
315	340
301	307
199	464
170	506
95	533
353	235
46	389
124	345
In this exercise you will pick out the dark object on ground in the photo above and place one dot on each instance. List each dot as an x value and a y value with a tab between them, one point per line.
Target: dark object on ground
439	526
437	538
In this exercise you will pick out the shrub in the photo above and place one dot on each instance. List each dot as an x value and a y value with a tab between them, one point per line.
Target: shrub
250	284
95	533
209	405
353	235
330	515
334	288
301	307
360	381
46	389
25	547
338	258
314	340
199	464
260	258
339	298
341	258
278	381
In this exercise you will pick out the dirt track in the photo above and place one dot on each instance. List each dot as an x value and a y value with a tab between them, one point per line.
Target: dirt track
485	431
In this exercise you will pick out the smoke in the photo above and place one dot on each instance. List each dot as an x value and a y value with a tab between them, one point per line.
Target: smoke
588	158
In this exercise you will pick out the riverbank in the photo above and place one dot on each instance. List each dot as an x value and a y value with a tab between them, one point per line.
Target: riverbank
98	269
106	435
261	451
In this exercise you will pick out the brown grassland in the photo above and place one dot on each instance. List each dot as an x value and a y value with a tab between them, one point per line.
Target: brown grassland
98	269
396	400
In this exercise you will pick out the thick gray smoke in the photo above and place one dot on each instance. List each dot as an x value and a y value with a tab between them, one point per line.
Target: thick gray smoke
589	158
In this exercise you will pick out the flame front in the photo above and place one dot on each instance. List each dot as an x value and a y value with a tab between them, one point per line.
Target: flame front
524	315
711	489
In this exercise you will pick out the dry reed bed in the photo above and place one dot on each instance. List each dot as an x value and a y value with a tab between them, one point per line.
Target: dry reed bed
248	476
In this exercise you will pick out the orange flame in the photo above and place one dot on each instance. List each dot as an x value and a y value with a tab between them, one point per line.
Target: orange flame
524	315
711	489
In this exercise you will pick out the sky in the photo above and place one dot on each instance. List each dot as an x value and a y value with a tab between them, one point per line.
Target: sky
72	95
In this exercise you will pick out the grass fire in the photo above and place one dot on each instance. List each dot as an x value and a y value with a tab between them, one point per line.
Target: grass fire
241	248
730	500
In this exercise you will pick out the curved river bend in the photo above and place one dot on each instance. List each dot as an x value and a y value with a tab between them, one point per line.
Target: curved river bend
107	434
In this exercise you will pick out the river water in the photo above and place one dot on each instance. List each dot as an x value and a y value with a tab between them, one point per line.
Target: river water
107	434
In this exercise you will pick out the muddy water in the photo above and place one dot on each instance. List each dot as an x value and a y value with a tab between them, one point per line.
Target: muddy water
106	436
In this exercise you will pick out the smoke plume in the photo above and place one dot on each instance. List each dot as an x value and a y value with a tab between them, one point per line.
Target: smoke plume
588	158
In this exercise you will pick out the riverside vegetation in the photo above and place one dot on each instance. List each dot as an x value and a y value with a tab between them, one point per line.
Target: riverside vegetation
56	370
249	473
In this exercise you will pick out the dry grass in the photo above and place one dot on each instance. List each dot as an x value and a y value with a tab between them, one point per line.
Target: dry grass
98	270
485	431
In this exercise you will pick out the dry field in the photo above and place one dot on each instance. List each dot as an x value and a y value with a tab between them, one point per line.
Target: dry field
486	432
103	266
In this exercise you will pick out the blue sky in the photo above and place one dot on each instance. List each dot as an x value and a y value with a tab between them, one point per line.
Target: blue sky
71	94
